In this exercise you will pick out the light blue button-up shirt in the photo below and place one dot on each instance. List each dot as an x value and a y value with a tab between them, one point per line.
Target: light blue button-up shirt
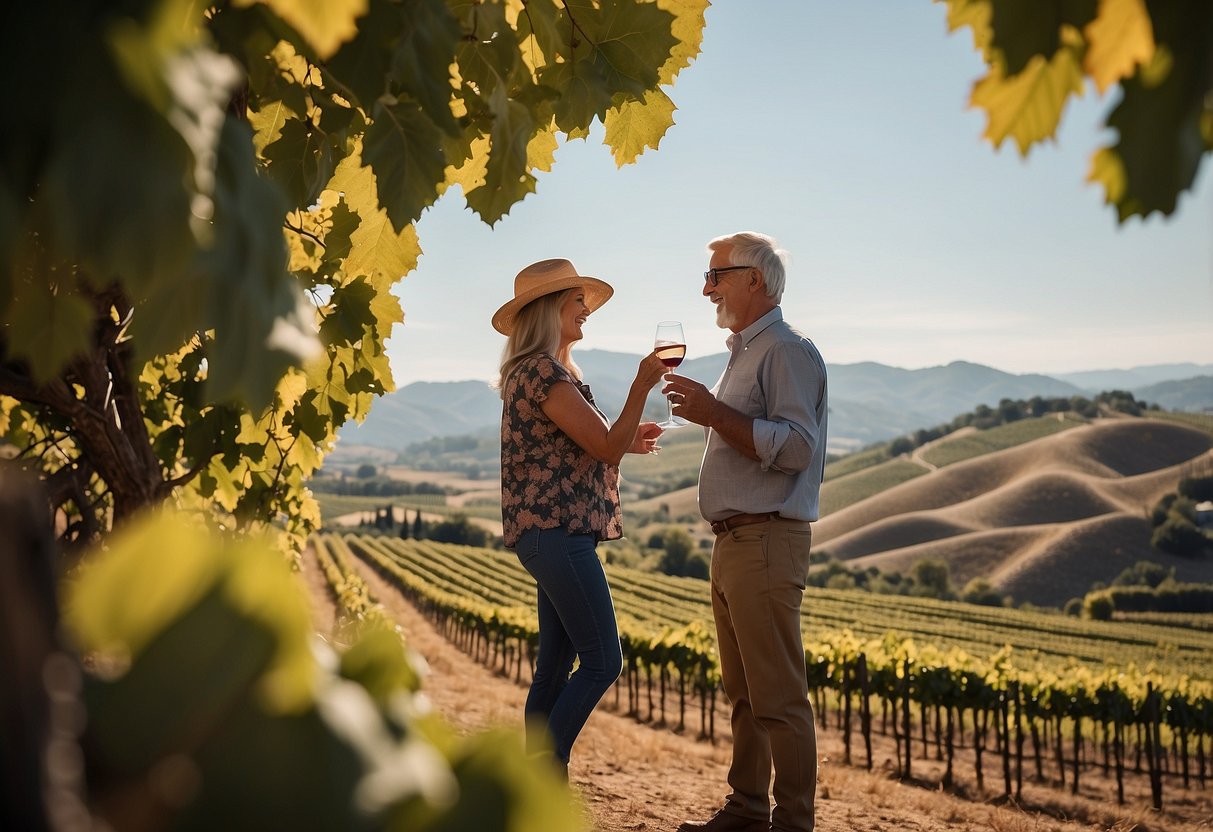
776	376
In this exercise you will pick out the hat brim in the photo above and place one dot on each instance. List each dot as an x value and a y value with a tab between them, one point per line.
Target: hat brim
597	292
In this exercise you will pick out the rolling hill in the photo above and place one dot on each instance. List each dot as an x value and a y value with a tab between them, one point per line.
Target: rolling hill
1041	521
869	402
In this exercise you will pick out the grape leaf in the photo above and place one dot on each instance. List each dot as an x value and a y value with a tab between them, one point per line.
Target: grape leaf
350	313
263	322
583	90
324	24
1023	30
267	123
507	179
1119	39
299	160
636	125
687	30
422	57
376	247
362	64
404	149
48	328
133	228
1028	106
634	40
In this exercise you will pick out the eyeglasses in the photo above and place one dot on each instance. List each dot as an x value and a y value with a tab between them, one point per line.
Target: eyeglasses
712	276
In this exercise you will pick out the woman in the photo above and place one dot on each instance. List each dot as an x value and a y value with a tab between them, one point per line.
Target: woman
560	492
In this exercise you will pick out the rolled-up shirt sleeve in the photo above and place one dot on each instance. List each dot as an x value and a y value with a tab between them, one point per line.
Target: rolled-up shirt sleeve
793	384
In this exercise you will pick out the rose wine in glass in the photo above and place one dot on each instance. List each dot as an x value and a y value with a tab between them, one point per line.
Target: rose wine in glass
671	347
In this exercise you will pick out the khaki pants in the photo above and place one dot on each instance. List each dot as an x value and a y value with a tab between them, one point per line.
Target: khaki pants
758	579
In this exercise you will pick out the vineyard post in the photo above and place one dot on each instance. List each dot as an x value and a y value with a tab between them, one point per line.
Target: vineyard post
1152	743
896	728
1105	743
664	675
682	701
1061	755
1019	739
1118	749
905	715
846	711
979	742
1183	750
648	686
1004	723
1034	732
947	774
1138	729
938	732
865	708
1200	758
1077	751
924	713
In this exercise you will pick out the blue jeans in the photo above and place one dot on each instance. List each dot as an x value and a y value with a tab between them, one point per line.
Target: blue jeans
576	620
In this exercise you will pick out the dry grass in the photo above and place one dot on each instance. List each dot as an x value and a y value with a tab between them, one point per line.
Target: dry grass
1042	521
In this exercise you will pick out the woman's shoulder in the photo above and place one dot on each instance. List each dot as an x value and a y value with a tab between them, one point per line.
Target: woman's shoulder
535	374
543	365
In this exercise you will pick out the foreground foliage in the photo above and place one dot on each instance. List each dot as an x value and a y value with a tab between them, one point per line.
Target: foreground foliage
211	703
1159	53
203	209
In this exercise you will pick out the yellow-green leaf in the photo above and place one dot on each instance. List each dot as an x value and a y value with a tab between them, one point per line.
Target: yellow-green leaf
376	248
472	172
687	29
324	24
268	122
170	563
541	149
977	15
1108	170
634	126
1028	106
1118	39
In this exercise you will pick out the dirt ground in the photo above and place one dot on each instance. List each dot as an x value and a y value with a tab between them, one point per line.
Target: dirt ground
633	777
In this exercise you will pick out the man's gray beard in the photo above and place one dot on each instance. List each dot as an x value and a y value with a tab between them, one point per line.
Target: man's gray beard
724	319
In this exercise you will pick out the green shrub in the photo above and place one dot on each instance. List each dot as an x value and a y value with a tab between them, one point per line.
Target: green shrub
1098	606
1179	536
981	591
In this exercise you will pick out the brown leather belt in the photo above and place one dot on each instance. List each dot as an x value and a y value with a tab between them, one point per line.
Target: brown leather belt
730	523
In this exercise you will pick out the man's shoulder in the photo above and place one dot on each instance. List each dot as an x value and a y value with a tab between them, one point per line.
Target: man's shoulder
786	334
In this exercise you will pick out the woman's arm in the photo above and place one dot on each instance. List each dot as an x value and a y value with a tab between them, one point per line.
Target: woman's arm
570	411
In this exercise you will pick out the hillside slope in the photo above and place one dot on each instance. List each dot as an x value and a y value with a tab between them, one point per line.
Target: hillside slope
1041	521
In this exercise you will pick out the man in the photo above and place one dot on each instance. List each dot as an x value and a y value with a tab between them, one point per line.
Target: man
758	487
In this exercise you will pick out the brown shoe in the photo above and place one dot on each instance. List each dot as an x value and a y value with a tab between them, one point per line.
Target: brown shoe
726	821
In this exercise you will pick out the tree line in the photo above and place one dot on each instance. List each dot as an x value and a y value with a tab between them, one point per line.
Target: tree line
984	417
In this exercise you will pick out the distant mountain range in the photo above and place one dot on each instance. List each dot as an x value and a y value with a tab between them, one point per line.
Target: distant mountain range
869	402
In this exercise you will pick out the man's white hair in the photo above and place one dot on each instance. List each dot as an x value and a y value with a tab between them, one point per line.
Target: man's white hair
749	248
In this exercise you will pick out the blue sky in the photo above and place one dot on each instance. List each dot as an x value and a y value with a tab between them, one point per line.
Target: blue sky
842	129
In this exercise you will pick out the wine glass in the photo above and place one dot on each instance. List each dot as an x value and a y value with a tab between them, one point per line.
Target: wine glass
671	347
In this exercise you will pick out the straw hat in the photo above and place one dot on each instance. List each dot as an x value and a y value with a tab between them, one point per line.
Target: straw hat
543	278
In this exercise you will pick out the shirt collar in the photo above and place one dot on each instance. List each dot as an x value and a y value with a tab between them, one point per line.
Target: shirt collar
742	339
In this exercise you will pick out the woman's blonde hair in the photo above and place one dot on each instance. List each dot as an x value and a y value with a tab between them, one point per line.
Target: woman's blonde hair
537	329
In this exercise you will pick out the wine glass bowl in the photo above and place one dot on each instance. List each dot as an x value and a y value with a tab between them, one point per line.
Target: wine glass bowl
670	346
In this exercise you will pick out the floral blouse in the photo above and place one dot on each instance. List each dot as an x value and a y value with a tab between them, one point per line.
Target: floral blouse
547	479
